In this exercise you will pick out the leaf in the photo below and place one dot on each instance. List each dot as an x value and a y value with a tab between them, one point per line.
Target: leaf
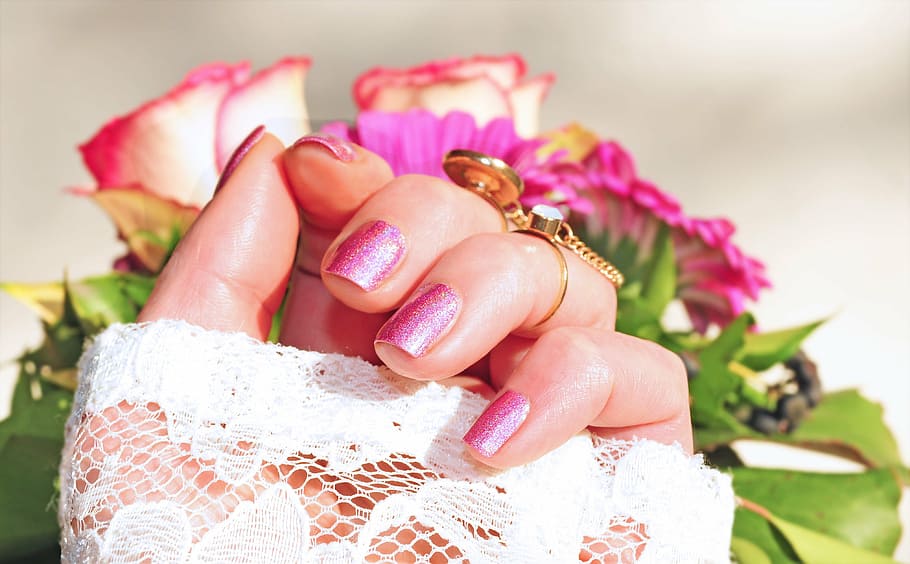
633	317
761	351
844	424
711	390
28	519
113	298
43	417
813	547
30	442
660	283
145	221
756	530
46	299
847	424
858	509
747	552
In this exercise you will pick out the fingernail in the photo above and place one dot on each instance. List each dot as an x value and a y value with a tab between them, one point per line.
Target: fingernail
368	255
238	155
342	150
498	423
422	321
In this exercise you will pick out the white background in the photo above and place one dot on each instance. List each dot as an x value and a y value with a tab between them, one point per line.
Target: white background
790	118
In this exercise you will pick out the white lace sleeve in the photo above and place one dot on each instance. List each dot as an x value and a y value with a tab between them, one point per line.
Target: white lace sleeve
187	445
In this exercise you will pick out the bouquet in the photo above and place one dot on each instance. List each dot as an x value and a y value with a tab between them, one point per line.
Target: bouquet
156	167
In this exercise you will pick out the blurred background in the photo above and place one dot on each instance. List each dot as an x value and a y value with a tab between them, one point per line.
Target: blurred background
790	118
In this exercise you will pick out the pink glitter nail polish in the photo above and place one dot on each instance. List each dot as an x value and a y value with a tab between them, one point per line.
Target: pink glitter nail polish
368	256
238	155
498	423
422	321
341	149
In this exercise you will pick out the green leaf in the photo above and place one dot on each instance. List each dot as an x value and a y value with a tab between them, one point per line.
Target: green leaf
858	509
761	351
844	424
660	284
30	442
634	317
755	529
112	298
28	519
712	389
816	548
747	552
847	424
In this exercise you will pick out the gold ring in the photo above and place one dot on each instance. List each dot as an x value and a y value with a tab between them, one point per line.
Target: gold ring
500	185
488	177
545	224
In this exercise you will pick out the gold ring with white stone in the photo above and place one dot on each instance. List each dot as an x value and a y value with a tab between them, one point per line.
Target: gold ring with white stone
545	222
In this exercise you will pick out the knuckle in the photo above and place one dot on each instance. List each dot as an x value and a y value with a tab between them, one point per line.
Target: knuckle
565	342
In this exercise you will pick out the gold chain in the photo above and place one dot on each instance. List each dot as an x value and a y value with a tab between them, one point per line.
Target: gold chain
570	240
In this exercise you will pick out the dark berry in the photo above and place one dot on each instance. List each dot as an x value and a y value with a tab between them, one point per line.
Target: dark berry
764	421
806	375
791	410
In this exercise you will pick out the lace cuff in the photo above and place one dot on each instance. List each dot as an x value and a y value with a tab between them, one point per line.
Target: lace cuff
193	445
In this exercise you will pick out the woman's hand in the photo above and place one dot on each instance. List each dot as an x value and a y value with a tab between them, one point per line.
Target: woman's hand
415	272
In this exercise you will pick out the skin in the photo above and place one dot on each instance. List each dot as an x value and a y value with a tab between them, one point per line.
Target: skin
231	269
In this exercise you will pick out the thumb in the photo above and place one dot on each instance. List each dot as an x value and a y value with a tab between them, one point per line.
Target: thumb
219	277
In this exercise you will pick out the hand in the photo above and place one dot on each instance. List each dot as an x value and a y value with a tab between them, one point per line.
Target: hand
573	371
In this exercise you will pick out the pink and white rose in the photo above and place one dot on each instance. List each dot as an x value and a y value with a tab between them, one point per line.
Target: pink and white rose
175	146
485	87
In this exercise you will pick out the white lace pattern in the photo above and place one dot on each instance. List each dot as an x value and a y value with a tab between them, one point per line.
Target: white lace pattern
188	445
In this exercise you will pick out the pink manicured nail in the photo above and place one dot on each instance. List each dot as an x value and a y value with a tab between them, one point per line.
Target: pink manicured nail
498	423
419	323
342	150
238	155
368	255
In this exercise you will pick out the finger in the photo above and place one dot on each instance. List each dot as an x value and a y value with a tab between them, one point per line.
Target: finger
395	238
487	287
572	378
330	178
219	277
315	320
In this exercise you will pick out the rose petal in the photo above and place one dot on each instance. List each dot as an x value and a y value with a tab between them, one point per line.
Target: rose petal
274	97
481	97
167	145
526	100
142	218
505	71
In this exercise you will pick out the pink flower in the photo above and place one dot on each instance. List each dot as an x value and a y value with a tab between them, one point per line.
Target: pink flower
714	276
485	87
175	146
415	142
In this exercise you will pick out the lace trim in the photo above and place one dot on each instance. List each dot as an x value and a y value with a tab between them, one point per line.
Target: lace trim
190	445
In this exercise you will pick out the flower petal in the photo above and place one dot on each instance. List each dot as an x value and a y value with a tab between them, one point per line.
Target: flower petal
526	100
504	71
167	145
145	222
481	97
274	97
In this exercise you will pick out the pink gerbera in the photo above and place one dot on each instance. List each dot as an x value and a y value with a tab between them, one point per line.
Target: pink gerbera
715	277
602	190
